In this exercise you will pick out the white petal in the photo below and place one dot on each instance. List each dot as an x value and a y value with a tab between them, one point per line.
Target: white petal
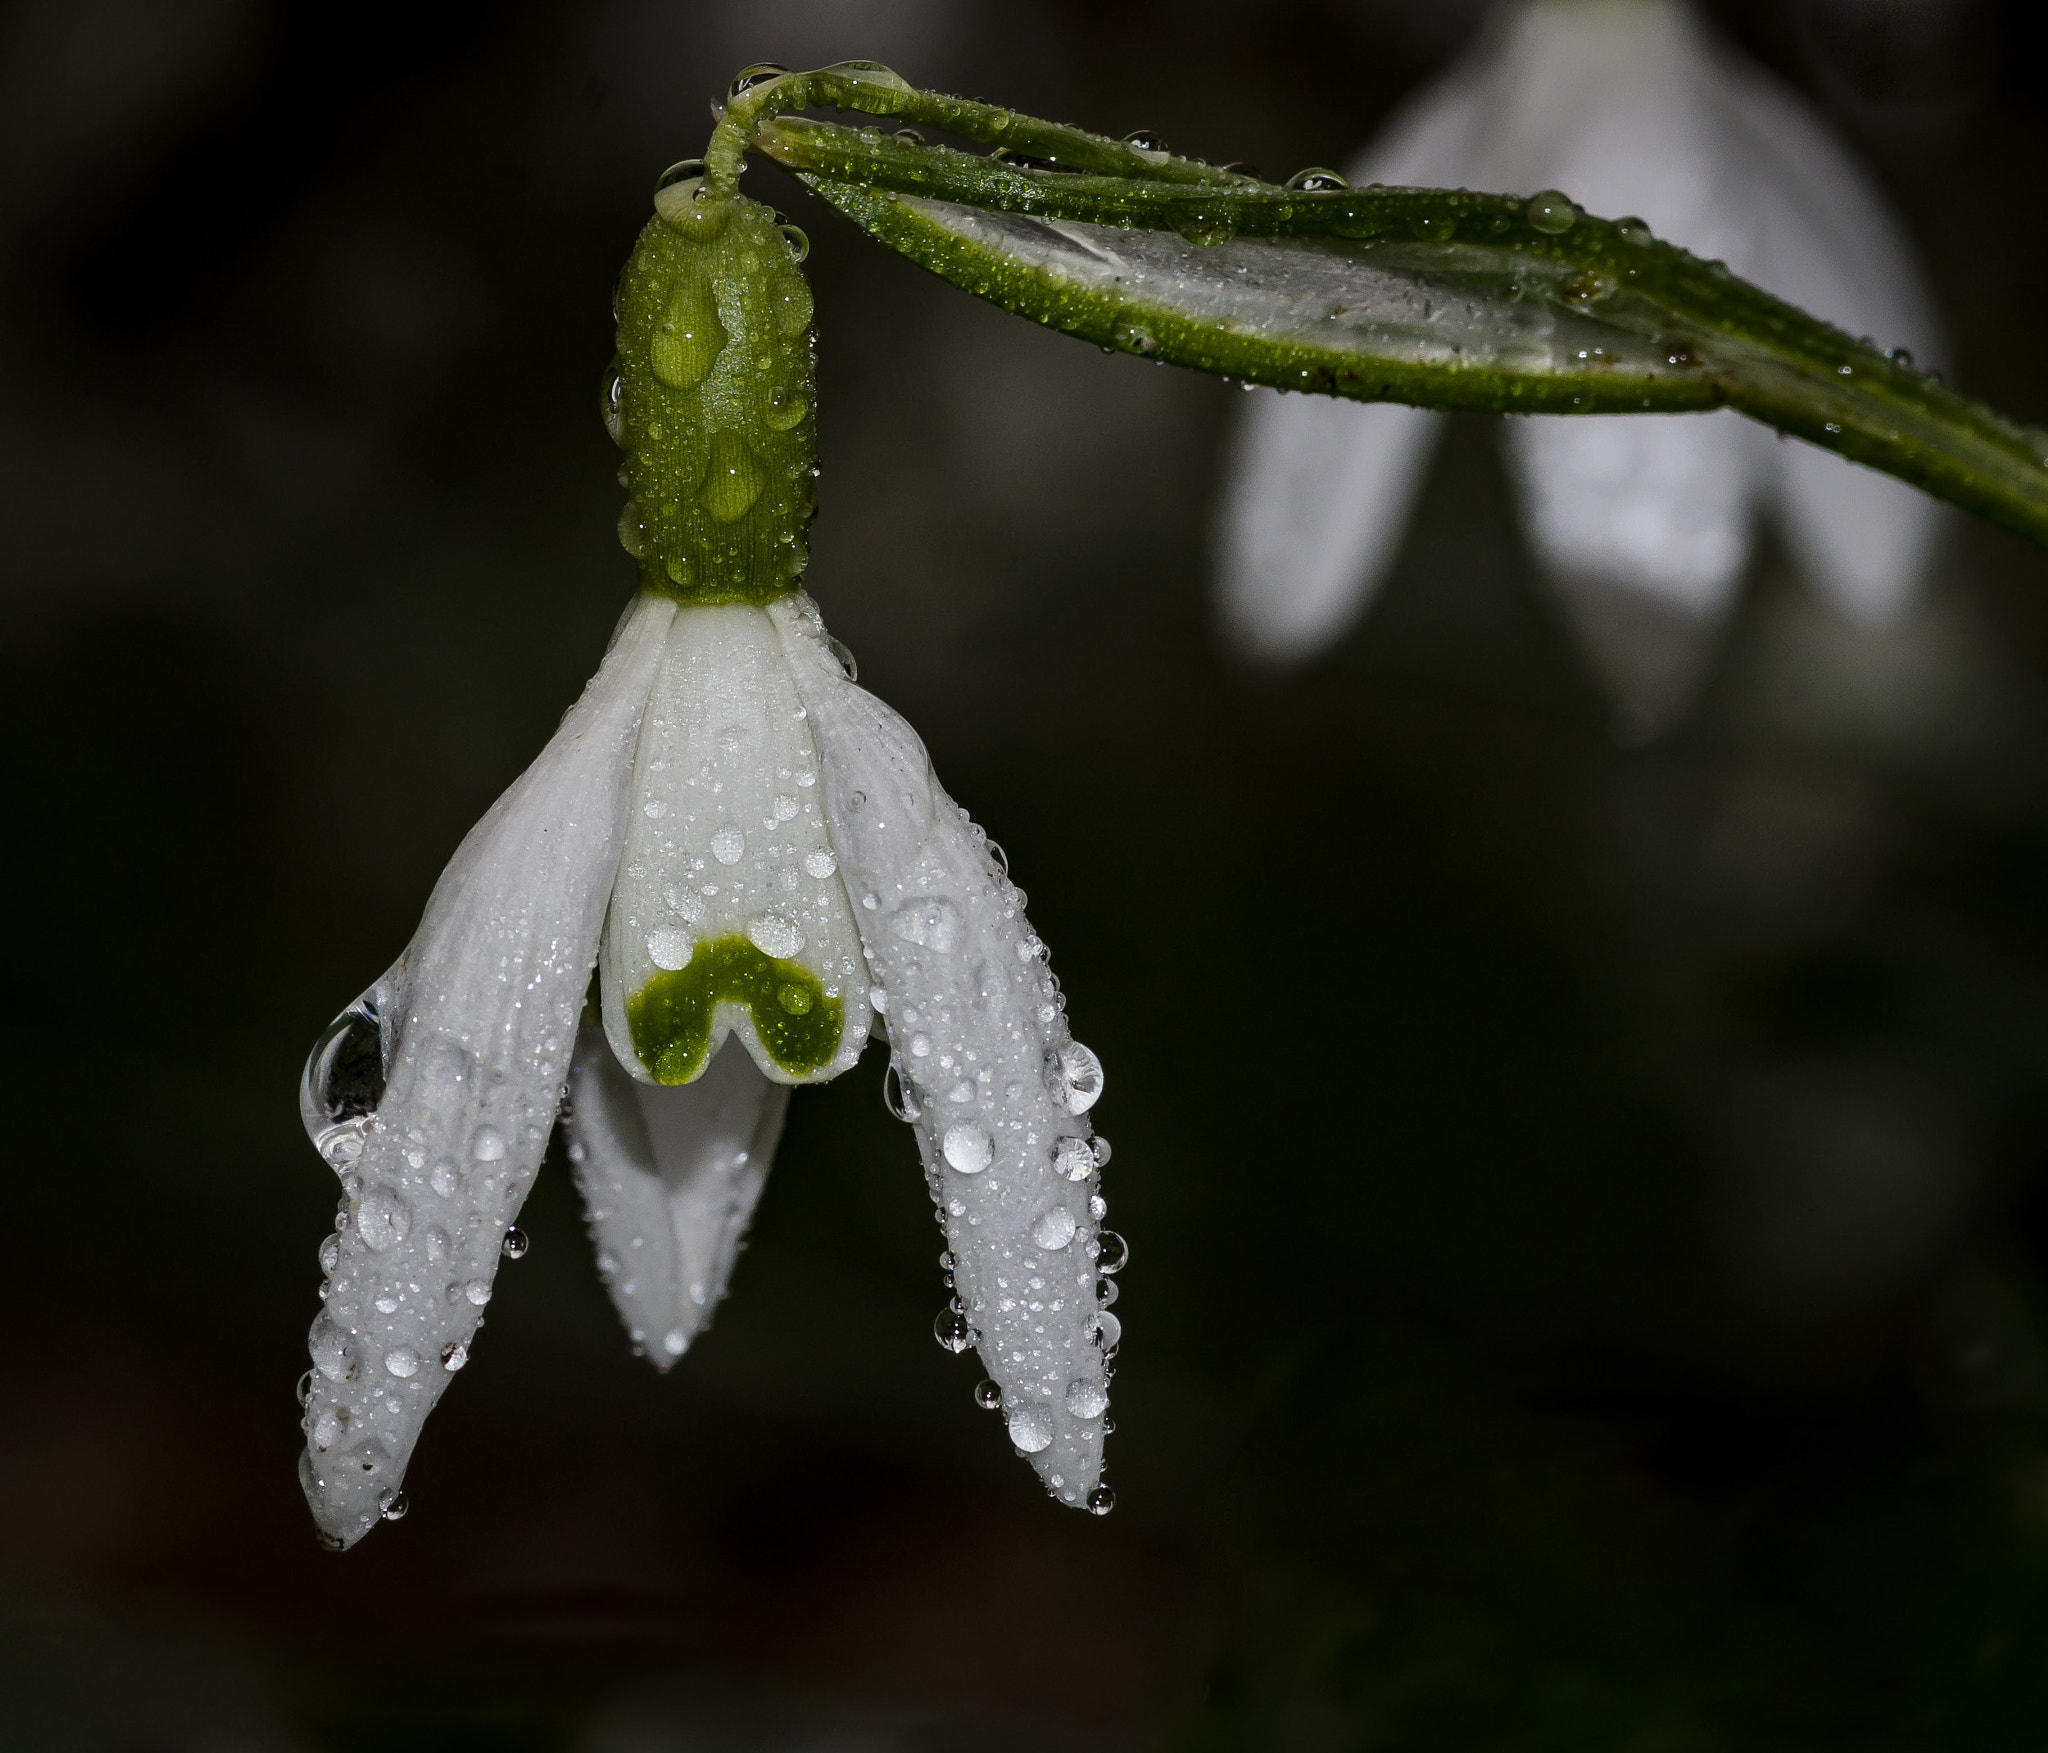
725	839
1829	244
1319	488
1642	524
482	1024
1659	502
1001	1085
670	1176
1312	516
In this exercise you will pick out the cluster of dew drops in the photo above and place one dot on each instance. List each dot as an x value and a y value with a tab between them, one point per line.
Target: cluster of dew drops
1076	1158
342	1087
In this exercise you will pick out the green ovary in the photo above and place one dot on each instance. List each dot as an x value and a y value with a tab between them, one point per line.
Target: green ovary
716	392
670	1017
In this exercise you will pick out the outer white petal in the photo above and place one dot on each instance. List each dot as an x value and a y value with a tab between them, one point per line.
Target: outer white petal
670	1176
1828	243
480	1033
727	837
982	1050
1319	488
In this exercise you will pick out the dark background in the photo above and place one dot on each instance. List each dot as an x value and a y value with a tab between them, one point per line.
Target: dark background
1588	1206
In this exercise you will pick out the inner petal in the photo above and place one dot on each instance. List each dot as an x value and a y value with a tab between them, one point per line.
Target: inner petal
729	915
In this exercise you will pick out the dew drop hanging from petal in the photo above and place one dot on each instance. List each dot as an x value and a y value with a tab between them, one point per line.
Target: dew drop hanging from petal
343	1082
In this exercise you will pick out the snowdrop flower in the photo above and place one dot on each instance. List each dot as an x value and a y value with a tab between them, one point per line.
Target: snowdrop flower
1643	522
757	857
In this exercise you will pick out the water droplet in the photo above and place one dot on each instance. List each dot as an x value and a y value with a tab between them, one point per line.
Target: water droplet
1087	1397
612	404
394	1511
487	1144
844	653
869	73
670	948
1634	230
1901	356
675	1342
933	925
920	1045
1030	1429
799	243
1098	1207
514	1245
760	73
1100	1147
1146	140
1316	180
445	1179
968	1148
343	1082
988	1395
1553	213
952	1332
632	530
331	1352
477	1291
682	171
896	1096
305	1387
1209	226
1109	1331
733	478
1054	1229
1073	1158
797	1000
330	1254
1105	1291
383	1219
822	864
454	1355
1112	1252
775	934
1432	228
1078	1078
1132	336
402	1361
1101	1501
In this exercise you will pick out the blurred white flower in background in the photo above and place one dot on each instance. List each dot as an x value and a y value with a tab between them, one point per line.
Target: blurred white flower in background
1643	523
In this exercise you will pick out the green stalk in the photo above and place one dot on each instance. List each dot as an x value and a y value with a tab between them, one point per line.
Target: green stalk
1438	298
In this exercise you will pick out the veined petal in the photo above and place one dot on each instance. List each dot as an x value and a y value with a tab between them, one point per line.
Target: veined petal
996	1086
729	915
670	1177
480	1033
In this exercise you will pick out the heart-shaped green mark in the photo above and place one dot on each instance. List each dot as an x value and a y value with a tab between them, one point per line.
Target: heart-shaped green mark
670	1016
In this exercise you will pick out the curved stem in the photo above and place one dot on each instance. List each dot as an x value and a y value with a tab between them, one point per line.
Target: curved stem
1439	298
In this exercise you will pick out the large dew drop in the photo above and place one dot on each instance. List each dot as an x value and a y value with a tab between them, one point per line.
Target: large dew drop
343	1082
968	1148
689	339
1030	1429
733	478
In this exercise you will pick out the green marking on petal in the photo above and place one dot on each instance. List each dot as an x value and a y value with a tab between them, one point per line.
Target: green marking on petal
670	1017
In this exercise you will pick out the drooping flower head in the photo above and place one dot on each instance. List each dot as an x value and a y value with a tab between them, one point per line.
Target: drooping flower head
756	855
1642	523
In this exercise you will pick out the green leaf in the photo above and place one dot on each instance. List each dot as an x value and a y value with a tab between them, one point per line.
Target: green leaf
1439	298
